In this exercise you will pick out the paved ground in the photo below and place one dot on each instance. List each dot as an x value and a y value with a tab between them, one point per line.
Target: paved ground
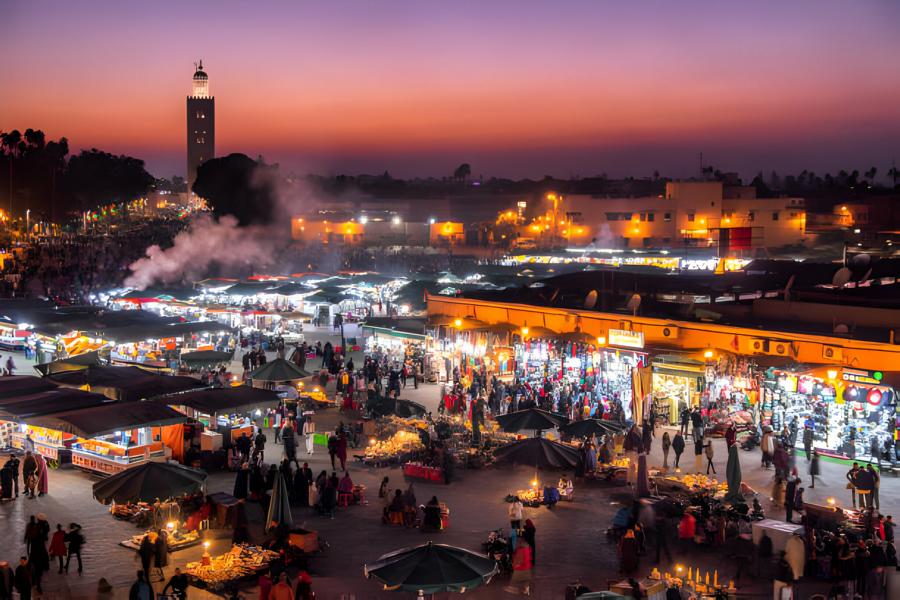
571	539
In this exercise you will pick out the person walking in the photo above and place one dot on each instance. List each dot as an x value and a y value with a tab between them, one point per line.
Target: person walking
678	447
813	469
851	482
666	444
289	441
685	420
864	483
37	551
75	540
29	473
522	565
146	552
698	454
529	534
161	554
515	513
309	433
141	589
23	580
790	496
808	442
876	482
709	457
58	546
13	464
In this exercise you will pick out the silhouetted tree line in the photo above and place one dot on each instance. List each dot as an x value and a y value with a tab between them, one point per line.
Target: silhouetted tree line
39	175
240	186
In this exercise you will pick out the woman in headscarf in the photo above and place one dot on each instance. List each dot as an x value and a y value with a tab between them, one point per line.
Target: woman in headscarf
241	482
628	552
42	474
529	533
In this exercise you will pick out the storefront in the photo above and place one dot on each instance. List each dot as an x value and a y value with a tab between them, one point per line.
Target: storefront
601	377
399	339
451	350
678	382
849	410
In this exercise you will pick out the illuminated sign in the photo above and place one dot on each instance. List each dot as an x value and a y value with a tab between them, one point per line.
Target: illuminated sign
625	338
859	376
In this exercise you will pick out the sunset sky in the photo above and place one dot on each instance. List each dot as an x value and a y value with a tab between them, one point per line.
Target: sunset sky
516	88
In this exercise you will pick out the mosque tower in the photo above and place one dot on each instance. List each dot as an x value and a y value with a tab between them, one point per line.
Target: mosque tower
201	124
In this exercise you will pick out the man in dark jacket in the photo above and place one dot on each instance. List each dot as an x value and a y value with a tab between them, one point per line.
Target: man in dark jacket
678	446
685	419
75	541
697	423
23	579
13	465
808	441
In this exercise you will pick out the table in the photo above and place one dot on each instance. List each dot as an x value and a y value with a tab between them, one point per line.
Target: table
778	531
653	589
423	472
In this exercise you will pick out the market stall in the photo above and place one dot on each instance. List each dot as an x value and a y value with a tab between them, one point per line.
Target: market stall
126	384
114	436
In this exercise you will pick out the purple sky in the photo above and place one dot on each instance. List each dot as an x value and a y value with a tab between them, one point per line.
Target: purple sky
516	88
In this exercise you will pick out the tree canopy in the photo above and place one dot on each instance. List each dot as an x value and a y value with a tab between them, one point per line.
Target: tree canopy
240	186
38	175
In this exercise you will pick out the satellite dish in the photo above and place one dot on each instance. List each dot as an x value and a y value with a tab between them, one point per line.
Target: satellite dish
841	277
841	328
634	303
590	301
860	261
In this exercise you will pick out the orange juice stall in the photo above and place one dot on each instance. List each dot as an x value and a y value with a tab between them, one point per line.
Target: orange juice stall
114	436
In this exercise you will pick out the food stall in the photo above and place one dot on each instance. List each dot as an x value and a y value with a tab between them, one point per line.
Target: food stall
114	436
218	572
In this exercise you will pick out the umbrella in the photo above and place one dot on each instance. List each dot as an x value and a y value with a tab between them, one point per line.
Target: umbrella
588	427
733	475
432	568
601	596
278	370
279	504
149	481
642	487
533	419
540	453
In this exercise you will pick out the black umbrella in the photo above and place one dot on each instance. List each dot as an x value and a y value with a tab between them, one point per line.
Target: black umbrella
409	409
540	453
432	568
149	481
533	419
278	370
588	427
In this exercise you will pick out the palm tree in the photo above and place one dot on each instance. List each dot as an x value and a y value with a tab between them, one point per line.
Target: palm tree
462	172
870	174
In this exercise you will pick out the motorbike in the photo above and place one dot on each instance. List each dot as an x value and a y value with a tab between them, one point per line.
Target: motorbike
497	547
751	441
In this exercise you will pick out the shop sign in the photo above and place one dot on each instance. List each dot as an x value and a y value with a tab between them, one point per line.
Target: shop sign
860	376
625	338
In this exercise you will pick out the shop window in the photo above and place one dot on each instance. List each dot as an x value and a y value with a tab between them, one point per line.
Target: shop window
774	215
691	217
651	217
667	217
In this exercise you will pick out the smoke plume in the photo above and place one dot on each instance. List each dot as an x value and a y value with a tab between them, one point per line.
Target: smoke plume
207	243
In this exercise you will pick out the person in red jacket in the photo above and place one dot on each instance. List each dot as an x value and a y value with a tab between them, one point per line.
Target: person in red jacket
57	547
522	565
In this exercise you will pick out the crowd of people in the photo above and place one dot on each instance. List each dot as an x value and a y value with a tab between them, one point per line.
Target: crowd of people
71	267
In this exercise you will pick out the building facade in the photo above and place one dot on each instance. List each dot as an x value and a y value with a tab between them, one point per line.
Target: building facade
201	125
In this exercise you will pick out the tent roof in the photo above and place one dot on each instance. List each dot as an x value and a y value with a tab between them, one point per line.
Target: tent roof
133	382
21	385
50	401
206	356
213	400
72	363
107	418
278	370
148	481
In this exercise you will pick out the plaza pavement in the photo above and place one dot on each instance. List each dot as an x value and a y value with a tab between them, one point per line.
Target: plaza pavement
571	541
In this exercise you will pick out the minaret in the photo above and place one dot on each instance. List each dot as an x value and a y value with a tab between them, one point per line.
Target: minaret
201	125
